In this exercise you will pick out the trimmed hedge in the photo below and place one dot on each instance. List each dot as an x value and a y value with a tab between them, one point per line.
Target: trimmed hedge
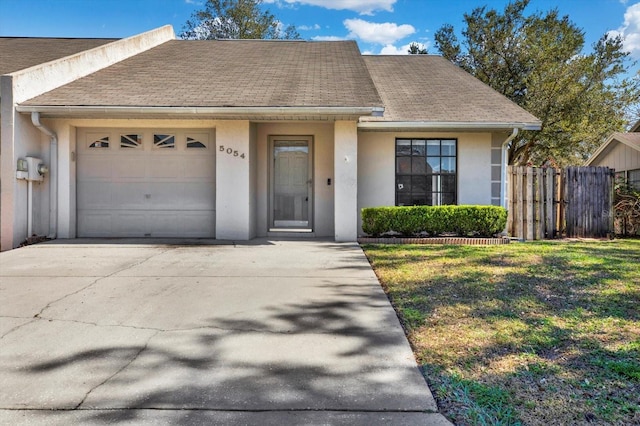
484	221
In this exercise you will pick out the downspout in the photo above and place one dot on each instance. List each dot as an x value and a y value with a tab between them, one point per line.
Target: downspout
503	180
53	174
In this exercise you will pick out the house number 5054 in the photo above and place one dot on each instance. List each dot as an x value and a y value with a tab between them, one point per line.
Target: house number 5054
231	151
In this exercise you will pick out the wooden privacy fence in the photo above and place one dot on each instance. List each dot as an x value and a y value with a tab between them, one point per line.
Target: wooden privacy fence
548	202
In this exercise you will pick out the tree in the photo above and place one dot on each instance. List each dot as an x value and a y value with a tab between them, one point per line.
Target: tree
417	49
538	62
235	19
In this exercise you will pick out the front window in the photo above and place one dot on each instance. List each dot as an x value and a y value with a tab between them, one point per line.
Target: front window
426	172
634	179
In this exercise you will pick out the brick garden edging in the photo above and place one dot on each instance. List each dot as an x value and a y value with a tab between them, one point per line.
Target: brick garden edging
435	240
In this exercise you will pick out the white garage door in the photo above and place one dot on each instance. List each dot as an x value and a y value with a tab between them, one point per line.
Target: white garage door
146	183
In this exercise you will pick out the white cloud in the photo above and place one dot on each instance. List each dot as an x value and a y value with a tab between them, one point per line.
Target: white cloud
363	7
630	30
370	32
390	49
308	27
327	38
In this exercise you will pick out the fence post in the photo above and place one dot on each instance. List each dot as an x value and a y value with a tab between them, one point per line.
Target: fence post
549	203
530	209
540	222
520	206
611	186
509	198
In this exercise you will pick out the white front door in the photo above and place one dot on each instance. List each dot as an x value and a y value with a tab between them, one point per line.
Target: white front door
291	182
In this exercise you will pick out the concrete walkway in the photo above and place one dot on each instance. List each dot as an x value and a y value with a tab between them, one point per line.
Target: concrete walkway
269	332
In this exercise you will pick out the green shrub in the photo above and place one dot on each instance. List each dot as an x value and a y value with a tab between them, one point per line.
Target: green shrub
434	220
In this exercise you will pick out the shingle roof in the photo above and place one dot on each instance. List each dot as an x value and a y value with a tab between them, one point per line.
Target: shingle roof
242	73
430	88
631	139
18	53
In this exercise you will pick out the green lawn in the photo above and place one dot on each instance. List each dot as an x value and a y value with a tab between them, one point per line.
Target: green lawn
525	333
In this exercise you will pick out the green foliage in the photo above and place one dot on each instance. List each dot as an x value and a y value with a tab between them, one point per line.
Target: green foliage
417	49
235	19
434	220
626	210
537	61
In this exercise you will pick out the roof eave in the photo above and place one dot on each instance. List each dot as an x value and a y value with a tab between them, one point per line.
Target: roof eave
200	112
444	125
600	150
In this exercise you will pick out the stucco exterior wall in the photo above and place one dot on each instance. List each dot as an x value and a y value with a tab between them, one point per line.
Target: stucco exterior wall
29	141
346	177
323	169
620	157
376	167
253	179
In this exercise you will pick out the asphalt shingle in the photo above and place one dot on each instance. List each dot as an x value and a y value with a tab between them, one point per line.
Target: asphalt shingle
234	73
430	88
18	53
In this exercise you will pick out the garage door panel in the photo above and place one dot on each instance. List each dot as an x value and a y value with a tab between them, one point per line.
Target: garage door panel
95	167
95	195
167	195
92	224
200	196
197	224
197	168
128	166
145	191
164	224
165	167
130	224
129	195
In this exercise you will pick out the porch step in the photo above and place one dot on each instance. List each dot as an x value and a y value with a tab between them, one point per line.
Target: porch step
290	233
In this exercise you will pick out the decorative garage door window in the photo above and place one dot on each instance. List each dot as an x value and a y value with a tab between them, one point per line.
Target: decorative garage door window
426	172
164	141
130	141
100	143
195	143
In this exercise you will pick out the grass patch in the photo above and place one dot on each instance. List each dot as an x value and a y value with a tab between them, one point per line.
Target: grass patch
536	333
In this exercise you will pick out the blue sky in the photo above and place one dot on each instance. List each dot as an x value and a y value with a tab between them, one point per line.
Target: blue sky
379	26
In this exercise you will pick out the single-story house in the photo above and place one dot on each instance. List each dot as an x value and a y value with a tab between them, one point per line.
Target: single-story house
621	151
151	136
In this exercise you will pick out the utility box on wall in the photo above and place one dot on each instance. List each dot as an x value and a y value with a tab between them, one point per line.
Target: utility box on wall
31	169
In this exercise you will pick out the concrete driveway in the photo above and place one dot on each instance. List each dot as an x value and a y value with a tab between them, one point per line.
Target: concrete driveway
269	332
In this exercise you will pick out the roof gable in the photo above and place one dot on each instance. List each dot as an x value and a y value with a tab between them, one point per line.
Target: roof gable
632	140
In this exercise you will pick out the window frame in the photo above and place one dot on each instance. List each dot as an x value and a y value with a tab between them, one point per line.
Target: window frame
415	153
635	184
